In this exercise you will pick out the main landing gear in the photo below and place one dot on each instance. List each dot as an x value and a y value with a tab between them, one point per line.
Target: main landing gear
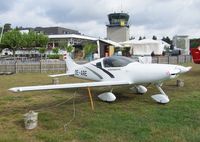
107	96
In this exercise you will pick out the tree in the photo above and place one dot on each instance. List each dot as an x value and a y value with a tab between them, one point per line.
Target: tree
140	38
154	37
68	48
33	39
169	41
16	40
194	43
42	50
41	40
13	39
55	50
132	38
29	40
7	27
89	48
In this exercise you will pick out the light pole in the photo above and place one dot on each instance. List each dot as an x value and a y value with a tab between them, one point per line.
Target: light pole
1	33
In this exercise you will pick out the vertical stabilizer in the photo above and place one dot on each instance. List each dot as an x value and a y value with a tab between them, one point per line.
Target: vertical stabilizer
70	64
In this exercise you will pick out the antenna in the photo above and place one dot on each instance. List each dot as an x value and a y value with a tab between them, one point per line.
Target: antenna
121	7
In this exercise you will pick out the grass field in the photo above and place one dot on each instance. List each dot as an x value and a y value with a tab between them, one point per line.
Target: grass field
131	118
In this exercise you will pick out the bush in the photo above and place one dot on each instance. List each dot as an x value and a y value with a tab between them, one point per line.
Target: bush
56	56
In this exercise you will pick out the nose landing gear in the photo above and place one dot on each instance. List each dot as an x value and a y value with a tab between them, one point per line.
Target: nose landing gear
160	98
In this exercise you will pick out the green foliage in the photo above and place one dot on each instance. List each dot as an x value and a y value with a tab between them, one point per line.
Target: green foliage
68	48
62	45
7	27
42	50
13	39
194	43
41	40
169	41
55	50
29	39
33	39
2	46
56	56
89	48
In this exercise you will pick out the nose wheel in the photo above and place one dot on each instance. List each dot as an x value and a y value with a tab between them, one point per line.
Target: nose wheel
160	98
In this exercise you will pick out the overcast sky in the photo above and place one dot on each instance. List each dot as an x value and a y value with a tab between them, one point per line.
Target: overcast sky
147	17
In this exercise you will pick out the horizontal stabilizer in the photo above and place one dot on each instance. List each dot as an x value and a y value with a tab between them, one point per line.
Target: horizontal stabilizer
57	75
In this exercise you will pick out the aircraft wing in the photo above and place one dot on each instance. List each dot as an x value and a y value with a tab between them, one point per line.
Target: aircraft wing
67	86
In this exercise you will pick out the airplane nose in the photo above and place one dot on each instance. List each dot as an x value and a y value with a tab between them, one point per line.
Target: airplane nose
183	69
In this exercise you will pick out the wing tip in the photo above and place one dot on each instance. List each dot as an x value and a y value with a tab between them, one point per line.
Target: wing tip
14	90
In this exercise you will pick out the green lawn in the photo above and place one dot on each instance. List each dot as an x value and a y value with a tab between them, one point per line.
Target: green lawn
131	118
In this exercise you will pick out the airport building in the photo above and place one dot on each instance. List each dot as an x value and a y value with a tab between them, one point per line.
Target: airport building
118	27
55	30
104	47
182	42
50	30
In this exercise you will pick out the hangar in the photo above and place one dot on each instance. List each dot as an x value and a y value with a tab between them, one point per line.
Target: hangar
104	47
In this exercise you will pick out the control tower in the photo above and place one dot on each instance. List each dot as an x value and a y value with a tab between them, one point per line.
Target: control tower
118	27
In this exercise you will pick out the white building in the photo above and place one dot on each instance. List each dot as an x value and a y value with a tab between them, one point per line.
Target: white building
182	43
146	47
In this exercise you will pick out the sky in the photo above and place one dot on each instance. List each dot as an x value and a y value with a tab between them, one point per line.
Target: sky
89	17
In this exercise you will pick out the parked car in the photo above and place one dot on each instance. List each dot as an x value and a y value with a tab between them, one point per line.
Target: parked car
195	52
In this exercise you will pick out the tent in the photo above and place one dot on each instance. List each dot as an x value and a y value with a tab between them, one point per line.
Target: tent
145	46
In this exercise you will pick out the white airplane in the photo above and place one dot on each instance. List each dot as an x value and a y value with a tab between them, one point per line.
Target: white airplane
115	71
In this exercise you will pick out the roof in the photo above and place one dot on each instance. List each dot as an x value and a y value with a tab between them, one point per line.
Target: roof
84	37
72	36
111	42
144	41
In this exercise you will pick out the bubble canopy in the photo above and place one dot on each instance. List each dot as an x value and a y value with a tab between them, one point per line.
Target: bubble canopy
116	61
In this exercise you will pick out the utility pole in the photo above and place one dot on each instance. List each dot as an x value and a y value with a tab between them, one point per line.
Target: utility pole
1	33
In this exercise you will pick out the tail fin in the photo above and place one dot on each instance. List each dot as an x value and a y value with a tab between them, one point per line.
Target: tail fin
70	64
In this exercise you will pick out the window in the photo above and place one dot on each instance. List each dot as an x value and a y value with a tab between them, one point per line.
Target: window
98	65
116	61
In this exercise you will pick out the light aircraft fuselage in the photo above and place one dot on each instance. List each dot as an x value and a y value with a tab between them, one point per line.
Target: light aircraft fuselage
119	68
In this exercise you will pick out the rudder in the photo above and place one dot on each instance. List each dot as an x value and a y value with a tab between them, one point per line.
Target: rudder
70	64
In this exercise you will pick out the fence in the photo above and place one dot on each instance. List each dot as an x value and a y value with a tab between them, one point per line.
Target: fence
172	59
40	66
59	65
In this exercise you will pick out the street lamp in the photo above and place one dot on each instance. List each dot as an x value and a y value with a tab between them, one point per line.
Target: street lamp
1	33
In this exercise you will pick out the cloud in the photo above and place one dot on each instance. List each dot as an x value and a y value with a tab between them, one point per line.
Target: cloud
5	5
147	18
